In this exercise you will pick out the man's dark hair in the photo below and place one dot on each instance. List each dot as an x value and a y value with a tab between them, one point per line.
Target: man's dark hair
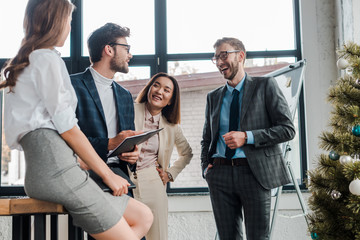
102	36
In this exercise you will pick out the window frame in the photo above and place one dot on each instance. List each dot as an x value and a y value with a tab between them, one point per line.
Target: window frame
158	62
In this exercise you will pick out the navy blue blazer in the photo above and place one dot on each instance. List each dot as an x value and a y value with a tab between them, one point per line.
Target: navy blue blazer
91	116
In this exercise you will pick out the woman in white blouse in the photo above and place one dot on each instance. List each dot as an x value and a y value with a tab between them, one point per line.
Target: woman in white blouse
158	106
40	119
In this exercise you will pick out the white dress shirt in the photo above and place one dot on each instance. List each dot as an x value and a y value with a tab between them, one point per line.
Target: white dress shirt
43	97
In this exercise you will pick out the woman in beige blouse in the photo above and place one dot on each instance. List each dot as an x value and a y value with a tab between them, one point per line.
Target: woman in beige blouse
158	106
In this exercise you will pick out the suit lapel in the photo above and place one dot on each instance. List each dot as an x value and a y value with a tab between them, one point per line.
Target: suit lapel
218	99
90	84
249	87
139	118
162	141
117	103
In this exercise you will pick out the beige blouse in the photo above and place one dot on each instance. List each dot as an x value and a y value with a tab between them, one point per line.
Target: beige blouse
149	150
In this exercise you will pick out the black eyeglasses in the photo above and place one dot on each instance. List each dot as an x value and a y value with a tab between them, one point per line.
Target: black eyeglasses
223	55
120	44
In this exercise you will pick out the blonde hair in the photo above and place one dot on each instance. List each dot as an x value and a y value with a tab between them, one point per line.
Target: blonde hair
43	21
234	42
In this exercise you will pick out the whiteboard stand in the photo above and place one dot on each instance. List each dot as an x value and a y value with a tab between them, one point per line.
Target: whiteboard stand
278	195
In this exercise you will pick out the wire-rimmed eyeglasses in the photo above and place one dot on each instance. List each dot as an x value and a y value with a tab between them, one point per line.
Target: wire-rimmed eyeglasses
125	45
222	55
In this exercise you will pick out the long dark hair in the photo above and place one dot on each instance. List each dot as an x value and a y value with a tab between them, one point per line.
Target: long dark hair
43	21
171	112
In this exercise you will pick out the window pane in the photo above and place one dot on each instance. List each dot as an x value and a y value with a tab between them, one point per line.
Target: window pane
125	13
11	25
65	50
176	68
12	161
254	66
12	167
194	26
193	101
134	73
259	62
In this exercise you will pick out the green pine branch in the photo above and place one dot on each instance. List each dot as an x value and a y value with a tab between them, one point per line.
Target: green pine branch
345	92
351	52
335	212
344	143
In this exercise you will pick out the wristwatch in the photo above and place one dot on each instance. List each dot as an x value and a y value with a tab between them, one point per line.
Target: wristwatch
246	138
171	179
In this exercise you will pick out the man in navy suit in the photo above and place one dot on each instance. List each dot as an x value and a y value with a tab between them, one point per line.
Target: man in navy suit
105	109
245	121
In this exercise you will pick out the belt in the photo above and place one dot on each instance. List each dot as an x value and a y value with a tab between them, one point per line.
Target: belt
232	162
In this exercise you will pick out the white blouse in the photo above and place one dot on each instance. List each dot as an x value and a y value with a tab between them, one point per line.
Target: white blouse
43	97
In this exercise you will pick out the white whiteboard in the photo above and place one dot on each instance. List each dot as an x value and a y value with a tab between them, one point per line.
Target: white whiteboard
290	80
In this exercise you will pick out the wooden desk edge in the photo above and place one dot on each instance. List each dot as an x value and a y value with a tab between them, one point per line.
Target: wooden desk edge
16	206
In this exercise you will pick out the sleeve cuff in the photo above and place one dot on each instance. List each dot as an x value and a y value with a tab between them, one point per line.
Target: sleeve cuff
250	137
65	120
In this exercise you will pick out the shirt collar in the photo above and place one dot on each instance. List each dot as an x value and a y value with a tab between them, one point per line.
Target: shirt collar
237	87
148	116
57	52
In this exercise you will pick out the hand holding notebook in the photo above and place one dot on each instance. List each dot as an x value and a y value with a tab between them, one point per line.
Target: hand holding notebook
129	143
103	186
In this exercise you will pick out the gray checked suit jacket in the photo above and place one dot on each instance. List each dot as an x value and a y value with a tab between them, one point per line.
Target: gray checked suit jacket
265	112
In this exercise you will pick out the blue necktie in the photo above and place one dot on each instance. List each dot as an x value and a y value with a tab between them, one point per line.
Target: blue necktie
233	120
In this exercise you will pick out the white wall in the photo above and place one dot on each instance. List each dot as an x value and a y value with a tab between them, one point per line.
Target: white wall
318	42
326	26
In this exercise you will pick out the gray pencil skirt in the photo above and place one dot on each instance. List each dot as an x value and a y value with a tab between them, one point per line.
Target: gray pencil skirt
53	174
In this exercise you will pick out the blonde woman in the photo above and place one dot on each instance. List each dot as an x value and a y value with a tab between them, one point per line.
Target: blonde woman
158	106
40	119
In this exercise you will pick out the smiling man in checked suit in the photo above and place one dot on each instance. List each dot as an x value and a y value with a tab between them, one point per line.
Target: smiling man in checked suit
105	109
245	121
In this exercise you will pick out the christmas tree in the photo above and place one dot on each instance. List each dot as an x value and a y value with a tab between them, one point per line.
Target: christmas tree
334	183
